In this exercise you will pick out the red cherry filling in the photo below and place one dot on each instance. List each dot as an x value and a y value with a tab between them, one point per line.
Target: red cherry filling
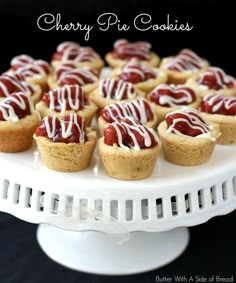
169	96
79	77
187	122
70	129
116	89
130	133
134	72
219	104
125	50
139	109
62	68
18	104
21	60
65	98
215	78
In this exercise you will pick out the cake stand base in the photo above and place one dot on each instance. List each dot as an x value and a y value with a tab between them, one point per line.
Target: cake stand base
97	253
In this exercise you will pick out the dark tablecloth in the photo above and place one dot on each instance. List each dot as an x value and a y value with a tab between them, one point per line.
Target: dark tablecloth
212	251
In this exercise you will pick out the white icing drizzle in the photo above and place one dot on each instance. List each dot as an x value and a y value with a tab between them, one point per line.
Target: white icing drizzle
173	101
219	101
139	48
66	127
19	85
186	60
221	78
129	109
141	129
134	66
65	94
108	89
21	60
80	75
8	110
64	67
194	120
72	51
34	69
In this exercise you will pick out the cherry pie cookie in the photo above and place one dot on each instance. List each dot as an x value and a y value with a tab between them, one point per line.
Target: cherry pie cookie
221	110
129	150
187	138
123	50
183	66
72	52
18	121
34	71
213	79
70	74
65	144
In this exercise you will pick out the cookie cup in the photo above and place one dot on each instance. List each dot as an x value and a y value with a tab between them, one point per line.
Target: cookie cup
123	164
185	150
153	61
18	136
65	157
227	126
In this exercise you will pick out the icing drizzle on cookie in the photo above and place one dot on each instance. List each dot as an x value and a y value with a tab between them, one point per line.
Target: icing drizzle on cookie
188	122
16	107
219	104
128	133
172	95
138	109
116	89
65	98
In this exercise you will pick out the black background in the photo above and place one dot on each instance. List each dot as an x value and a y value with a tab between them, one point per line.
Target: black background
212	248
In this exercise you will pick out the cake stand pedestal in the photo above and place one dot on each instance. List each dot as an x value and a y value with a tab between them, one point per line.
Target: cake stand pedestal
95	252
86	213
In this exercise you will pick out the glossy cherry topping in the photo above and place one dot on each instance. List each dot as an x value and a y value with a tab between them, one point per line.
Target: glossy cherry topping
116	89
38	67
129	133
186	60
215	103
15	107
78	76
69	129
134	72
69	97
172	95
71	51
139	109
215	78
10	83
188	122
124	50
20	60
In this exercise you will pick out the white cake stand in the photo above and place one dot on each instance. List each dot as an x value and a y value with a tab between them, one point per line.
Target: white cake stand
87	213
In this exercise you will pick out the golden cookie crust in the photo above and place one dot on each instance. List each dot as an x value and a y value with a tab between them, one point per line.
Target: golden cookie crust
130	164
18	136
227	126
65	157
185	150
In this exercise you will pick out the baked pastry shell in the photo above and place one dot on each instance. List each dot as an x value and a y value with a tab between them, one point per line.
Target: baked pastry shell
185	150
227	126
129	164
18	136
65	157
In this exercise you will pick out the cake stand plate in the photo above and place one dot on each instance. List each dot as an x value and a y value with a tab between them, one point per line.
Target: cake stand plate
95	252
